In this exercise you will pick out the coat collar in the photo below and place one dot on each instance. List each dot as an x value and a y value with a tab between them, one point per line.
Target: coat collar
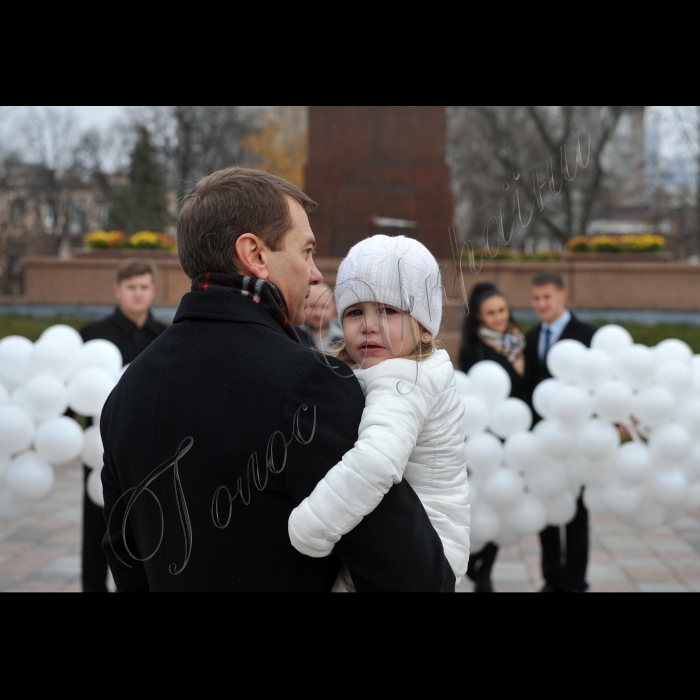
217	305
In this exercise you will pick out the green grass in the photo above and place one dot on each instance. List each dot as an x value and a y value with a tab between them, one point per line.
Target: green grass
652	335
32	328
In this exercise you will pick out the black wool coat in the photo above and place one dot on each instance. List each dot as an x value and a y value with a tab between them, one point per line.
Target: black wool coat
536	371
470	354
124	333
211	432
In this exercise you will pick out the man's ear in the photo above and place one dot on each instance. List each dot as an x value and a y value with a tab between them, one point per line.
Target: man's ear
250	251
118	291
565	294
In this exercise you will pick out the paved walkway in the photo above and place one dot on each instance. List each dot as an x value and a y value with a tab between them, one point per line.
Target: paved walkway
41	551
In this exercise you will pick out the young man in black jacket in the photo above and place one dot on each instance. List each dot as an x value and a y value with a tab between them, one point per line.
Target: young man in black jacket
226	422
132	329
549	296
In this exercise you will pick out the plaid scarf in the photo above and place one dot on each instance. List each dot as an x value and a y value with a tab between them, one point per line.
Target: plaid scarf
260	291
511	344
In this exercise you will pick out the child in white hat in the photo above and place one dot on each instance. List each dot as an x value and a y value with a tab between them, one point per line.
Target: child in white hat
389	299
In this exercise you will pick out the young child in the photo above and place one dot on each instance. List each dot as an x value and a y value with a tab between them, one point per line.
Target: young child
389	300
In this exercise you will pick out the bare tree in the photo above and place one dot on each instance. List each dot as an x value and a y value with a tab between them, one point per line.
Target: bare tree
523	160
194	140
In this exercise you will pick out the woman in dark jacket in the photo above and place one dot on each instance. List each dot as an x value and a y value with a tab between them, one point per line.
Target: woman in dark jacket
491	333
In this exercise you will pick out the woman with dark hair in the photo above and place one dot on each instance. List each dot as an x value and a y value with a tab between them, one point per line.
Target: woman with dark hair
491	333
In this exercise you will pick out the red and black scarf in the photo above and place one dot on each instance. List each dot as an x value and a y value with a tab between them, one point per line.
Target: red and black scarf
260	291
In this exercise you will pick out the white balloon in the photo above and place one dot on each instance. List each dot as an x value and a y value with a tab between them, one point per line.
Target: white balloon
543	394
102	355
634	366
462	380
675	376
490	382
43	396
594	500
528	516
88	390
92	448
571	406
5	460
67	335
634	462
522	451
691	502
564	358
691	464
612	340
16	428
598	440
507	537
484	453
509	417
94	487
503	489
549	482
688	415
672	349
484	525
11	507
59	440
695	362
52	356
15	354
555	440
560	509
592	473
695	382
612	401
649	516
4	395
668	487
595	367
476	415
670	443
29	477
653	406
622	498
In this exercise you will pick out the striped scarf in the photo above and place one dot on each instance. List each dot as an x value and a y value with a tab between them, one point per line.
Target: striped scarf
511	344
260	291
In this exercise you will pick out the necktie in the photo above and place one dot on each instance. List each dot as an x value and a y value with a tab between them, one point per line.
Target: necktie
547	339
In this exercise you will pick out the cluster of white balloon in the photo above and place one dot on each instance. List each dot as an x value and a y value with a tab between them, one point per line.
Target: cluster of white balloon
38	382
532	478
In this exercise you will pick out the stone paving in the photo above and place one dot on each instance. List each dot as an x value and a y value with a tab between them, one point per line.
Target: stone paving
41	551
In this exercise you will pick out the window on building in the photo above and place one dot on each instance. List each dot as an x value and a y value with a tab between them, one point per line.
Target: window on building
17	209
49	215
77	215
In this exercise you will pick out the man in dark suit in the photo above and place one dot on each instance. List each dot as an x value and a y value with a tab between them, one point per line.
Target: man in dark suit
549	296
132	329
226	422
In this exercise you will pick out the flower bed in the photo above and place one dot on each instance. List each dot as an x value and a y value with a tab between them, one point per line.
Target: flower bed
642	243
508	254
118	240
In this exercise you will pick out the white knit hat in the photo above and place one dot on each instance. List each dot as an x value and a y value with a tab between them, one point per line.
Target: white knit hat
392	270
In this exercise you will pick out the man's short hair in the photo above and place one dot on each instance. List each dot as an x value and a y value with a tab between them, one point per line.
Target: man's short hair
134	269
226	204
548	278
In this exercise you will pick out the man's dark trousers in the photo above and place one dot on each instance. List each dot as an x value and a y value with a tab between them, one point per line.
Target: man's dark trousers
562	571
131	341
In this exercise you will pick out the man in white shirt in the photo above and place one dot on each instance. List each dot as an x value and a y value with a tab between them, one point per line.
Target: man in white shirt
562	571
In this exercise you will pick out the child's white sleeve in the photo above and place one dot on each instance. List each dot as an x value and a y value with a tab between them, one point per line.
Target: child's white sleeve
391	422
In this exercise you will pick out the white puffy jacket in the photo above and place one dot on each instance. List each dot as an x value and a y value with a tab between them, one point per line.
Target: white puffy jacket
411	426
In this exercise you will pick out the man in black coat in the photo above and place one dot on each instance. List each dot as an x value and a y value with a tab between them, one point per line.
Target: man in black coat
226	422
132	329
549	297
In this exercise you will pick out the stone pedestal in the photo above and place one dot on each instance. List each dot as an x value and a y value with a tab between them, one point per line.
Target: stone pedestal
378	161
